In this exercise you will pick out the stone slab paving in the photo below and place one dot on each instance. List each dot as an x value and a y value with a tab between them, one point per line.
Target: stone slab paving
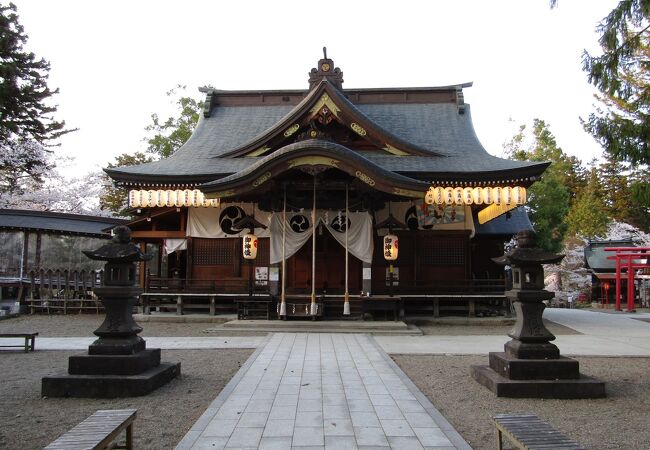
321	391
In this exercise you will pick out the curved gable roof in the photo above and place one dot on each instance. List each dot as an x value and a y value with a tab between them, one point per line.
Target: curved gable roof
326	96
437	137
314	152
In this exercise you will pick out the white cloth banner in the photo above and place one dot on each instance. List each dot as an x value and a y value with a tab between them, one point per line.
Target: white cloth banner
360	242
218	222
175	245
299	230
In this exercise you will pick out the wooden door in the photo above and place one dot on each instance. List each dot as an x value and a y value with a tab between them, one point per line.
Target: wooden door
330	267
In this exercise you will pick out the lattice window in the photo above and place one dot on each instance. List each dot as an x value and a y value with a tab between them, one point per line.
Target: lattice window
210	252
438	252
263	252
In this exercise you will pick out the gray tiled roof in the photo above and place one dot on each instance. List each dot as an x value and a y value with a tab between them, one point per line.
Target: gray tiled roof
504	225
56	222
434	126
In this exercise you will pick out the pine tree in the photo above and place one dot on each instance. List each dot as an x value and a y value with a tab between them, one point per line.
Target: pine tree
640	198
622	75
26	119
617	197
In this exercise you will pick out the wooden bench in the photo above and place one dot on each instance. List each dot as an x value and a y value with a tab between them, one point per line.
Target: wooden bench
528	432
254	308
98	431
29	340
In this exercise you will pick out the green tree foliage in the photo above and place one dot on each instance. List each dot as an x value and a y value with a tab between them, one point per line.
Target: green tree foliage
166	136
588	215
26	125
622	75
171	133
640	198
549	198
115	198
616	195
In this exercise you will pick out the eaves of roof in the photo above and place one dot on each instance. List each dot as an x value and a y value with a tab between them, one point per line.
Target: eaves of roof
61	223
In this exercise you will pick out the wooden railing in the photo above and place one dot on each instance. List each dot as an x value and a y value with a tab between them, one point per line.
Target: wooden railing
199	286
485	286
63	291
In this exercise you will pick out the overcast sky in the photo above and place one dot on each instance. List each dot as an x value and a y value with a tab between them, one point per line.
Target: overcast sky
114	60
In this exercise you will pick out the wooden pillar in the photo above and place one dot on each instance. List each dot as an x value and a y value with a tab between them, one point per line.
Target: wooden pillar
23	262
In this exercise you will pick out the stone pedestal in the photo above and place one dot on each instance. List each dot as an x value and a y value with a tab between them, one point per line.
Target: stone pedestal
531	366
118	364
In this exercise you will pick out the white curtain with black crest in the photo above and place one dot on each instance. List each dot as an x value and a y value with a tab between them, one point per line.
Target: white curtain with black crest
299	231
360	234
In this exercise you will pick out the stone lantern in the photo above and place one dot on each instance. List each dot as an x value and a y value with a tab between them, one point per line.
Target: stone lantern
118	364
531	365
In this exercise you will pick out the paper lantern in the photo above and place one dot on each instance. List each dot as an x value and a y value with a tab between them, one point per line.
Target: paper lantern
487	195
391	247
439	195
249	246
171	197
449	195
519	195
134	199
468	195
162	198
477	196
458	196
497	195
506	195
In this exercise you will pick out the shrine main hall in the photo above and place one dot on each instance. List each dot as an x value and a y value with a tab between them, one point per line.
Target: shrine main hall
329	202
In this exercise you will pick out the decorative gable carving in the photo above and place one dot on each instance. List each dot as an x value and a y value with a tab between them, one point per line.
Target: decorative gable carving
325	71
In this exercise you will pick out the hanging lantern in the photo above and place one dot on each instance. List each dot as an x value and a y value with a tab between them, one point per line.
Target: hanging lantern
468	198
477	196
506	195
519	195
249	246
458	196
487	195
439	195
390	247
449	195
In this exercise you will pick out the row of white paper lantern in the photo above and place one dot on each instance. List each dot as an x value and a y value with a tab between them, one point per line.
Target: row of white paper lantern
161	198
476	196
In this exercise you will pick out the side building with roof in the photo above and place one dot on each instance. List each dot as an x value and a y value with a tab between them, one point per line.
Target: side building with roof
32	242
333	183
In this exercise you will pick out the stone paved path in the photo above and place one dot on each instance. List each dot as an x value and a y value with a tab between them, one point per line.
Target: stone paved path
321	391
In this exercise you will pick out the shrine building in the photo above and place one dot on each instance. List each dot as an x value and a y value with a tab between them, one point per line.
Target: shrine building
331	202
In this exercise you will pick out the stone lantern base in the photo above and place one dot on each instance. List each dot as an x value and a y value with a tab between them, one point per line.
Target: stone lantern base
109	386
509	376
118	364
111	375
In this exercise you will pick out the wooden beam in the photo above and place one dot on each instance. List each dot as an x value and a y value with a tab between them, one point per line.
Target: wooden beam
158	234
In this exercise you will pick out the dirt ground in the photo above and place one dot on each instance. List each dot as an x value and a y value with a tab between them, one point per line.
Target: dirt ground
30	422
164	416
619	421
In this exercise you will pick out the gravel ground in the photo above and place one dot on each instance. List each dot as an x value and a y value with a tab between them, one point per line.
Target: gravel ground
85	324
164	416
619	421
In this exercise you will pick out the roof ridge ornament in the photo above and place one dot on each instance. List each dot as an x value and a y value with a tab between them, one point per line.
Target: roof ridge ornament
326	71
